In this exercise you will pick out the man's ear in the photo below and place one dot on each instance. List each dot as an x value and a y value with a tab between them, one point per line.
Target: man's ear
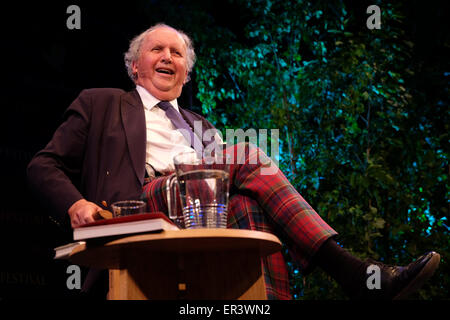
186	78
134	68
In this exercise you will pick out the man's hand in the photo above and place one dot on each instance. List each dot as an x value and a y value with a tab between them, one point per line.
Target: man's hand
81	212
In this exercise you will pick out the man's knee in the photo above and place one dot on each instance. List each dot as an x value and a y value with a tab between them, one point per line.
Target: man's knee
247	153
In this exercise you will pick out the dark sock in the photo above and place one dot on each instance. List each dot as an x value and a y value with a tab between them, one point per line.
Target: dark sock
348	271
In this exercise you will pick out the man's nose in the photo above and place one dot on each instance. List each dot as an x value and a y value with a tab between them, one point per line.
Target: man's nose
166	56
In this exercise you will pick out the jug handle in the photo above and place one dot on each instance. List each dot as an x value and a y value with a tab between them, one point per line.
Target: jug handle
171	197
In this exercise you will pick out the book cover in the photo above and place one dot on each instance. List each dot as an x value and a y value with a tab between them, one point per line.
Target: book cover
137	223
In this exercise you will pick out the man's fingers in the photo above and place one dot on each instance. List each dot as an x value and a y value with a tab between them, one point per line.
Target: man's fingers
81	218
88	219
81	213
75	222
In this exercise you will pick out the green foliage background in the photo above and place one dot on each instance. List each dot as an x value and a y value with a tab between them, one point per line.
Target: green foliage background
363	137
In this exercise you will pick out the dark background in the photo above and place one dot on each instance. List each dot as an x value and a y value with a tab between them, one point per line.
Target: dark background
44	68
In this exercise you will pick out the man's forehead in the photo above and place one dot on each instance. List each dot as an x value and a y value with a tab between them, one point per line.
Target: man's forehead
153	35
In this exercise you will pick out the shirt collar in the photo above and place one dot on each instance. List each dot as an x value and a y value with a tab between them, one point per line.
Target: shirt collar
149	101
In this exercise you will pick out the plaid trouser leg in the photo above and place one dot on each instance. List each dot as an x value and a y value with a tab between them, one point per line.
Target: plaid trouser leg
154	193
245	213
293	220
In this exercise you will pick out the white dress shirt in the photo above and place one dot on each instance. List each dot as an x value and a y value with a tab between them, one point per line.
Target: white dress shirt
163	140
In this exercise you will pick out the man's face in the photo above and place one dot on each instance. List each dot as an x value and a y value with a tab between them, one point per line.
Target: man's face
161	66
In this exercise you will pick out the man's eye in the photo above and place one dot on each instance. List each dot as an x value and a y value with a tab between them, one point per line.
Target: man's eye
156	49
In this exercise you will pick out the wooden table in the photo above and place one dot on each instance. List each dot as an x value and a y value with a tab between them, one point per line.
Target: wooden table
185	264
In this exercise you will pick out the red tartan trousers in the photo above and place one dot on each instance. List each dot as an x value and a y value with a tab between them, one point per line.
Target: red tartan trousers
262	199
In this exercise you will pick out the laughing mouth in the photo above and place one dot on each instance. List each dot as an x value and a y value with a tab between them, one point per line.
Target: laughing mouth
165	71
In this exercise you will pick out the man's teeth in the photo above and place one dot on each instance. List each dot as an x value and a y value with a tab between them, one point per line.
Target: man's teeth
164	71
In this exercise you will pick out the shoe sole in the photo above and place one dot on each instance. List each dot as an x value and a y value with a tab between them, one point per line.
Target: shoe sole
426	272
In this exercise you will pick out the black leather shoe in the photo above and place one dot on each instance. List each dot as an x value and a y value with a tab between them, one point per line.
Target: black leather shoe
397	283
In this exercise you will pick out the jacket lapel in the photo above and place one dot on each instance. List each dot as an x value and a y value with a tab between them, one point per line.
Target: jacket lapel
133	119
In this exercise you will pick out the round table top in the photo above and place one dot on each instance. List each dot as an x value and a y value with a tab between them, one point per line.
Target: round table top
107	253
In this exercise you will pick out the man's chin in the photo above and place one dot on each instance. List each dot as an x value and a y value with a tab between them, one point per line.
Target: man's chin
165	93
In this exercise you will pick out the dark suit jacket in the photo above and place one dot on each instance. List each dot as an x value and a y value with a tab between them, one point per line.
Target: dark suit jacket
98	152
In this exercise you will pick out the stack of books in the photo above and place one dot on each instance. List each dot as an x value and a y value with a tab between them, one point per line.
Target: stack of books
132	224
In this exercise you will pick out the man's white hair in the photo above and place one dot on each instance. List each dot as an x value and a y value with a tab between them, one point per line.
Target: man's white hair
133	52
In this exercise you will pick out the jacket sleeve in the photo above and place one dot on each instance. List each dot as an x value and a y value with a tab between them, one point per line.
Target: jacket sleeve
54	172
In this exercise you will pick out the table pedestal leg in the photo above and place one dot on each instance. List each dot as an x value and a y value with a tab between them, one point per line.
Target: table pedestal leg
193	276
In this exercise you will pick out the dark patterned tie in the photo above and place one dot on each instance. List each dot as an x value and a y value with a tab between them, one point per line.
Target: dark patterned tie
180	123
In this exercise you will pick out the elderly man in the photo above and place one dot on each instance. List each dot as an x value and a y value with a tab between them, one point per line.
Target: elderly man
116	145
